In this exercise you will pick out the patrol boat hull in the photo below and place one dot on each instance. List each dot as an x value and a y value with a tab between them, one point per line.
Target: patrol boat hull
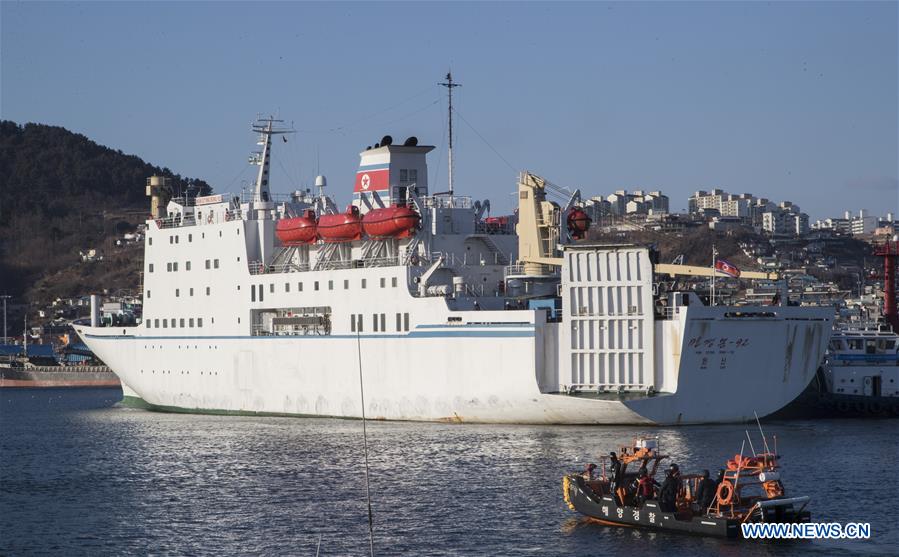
606	510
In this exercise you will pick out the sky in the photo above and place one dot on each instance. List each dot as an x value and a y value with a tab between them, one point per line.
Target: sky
789	101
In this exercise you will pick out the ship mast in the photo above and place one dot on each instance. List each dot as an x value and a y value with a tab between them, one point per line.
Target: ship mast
449	89
265	127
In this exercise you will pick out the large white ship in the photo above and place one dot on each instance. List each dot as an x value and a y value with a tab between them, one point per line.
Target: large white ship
269	306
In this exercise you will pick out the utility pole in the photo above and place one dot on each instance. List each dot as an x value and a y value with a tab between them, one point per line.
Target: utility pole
5	297
449	89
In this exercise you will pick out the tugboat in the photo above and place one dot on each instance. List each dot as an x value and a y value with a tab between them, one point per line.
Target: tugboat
749	490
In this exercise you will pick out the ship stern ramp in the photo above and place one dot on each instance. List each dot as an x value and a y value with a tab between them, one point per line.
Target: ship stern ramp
672	365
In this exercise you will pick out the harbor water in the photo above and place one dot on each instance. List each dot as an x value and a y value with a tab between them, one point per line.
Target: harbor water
83	476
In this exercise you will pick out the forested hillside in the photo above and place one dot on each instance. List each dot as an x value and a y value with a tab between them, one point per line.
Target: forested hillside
61	193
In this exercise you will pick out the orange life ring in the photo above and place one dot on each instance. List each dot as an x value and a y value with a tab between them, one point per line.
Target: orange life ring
773	489
725	493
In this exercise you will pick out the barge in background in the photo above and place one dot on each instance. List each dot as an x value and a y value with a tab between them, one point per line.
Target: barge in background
40	365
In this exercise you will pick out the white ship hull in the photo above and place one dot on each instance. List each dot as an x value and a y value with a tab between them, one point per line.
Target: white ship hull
456	374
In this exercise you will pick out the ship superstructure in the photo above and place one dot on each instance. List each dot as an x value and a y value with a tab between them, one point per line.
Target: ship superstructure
264	304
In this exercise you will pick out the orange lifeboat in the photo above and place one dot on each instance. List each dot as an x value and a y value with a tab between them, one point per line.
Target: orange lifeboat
344	227
298	230
390	222
578	223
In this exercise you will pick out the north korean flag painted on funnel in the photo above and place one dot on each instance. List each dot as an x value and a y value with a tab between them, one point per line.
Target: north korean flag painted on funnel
728	269
375	178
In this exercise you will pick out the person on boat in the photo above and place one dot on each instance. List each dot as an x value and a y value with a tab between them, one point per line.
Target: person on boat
614	473
614	469
588	472
646	485
705	492
670	488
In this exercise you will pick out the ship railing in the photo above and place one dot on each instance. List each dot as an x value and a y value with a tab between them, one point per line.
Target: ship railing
493	228
264	331
187	219
260	268
301	196
447	202
382	262
174	222
574	388
518	269
452	260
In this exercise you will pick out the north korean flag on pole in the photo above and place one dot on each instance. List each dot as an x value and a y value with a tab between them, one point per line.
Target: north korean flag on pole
728	269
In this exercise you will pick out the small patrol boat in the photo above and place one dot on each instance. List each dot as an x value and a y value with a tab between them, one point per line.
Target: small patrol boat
749	489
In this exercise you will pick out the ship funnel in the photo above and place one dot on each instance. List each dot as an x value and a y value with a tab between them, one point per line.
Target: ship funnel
159	191
95	310
386	171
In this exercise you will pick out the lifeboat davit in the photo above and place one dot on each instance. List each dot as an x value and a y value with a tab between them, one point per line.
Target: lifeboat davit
578	223
390	222
344	227
297	230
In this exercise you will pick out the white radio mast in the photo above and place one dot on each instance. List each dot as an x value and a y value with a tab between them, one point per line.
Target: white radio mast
449	89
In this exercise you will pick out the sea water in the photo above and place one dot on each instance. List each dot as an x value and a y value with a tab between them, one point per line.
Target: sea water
83	476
